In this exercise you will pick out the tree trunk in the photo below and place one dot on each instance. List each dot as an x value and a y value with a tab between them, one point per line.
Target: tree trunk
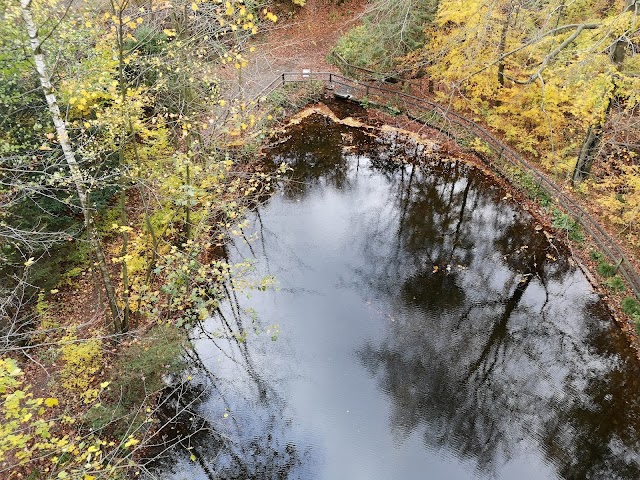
593	140
69	155
587	153
126	310
631	5
502	47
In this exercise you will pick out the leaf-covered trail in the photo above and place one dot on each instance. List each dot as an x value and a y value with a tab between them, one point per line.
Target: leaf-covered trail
300	40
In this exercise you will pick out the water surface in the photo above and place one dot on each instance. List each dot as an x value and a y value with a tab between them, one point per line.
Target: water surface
425	329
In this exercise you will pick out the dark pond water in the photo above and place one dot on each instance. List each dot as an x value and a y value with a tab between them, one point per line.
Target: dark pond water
499	363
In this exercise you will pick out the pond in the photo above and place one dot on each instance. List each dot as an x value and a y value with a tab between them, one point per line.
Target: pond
423	326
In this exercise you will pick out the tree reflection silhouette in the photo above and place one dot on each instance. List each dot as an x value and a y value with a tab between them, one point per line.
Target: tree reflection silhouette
476	361
496	350
484	353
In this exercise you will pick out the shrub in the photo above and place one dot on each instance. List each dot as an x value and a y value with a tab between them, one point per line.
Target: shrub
606	269
615	284
631	307
563	221
530	186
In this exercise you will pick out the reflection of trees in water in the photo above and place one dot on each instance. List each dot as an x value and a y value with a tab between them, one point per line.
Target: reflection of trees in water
236	446
427	212
315	153
598	436
486	357
205	419
481	360
468	402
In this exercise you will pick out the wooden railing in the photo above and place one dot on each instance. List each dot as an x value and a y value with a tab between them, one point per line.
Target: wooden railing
464	131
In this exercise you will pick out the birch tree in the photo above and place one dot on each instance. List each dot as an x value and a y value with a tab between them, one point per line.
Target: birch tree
75	172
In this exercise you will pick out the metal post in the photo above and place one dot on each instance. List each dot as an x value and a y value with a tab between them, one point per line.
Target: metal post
283	78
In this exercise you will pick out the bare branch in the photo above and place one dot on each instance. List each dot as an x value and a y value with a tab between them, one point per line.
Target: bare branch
533	42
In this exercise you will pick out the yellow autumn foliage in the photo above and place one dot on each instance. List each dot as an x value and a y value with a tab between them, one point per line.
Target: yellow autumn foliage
541	74
81	360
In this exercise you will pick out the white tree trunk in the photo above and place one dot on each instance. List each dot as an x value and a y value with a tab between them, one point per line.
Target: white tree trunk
69	155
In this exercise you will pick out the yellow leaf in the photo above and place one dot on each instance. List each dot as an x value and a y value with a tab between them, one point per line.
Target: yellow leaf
132	441
194	7
193	457
51	402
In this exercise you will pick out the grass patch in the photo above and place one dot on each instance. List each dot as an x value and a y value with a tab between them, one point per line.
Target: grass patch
608	271
365	102
631	307
526	182
563	221
391	110
615	284
605	269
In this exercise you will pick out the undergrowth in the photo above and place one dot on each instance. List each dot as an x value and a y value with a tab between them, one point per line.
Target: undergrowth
136	377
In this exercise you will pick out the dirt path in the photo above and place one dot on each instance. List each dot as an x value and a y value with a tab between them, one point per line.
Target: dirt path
301	40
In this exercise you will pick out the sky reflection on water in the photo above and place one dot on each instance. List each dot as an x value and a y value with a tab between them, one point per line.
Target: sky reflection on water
499	363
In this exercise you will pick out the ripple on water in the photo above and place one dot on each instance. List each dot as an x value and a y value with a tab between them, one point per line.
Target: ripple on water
427	329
